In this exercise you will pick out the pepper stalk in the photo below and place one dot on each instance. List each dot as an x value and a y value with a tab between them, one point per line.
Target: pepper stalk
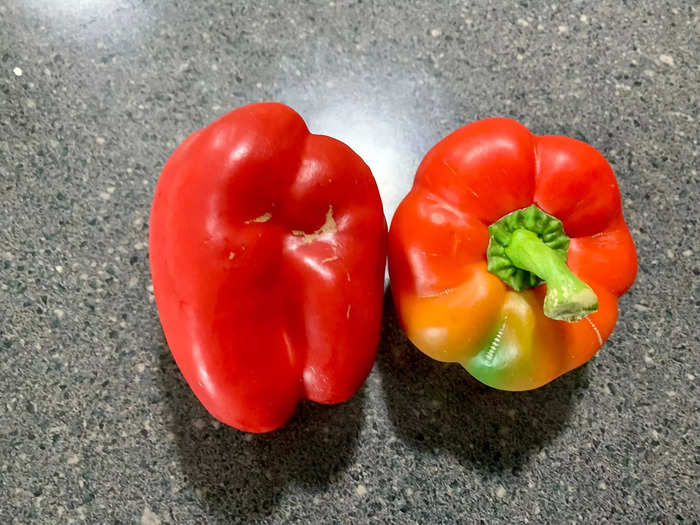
528	247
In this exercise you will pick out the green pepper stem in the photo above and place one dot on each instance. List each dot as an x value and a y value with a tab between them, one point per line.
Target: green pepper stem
568	298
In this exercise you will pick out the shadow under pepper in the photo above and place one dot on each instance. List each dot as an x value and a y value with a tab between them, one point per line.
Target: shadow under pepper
435	405
241	476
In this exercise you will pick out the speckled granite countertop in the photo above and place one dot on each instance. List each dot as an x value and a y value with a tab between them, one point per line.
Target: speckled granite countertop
96	423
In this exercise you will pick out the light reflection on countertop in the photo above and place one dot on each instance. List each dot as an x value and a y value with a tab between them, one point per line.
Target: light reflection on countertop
85	9
90	21
376	138
381	109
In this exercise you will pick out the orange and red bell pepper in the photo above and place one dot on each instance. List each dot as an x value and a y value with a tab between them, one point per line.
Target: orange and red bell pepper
509	254
267	251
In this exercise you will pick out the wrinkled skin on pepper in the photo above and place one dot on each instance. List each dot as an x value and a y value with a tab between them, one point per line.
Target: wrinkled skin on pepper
267	251
451	307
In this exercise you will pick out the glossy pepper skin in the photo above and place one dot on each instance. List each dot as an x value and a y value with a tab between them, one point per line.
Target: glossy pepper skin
267	252
449	303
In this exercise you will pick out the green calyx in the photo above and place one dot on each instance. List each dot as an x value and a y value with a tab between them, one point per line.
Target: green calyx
547	228
528	247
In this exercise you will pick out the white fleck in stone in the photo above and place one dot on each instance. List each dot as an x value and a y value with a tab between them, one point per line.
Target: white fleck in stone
641	308
687	253
540	27
248	437
520	57
522	22
73	459
59	313
648	359
258	85
583	19
140	367
501	492
198	424
215	424
602	485
649	73
667	59
670	254
150	288
530	485
563	29
100	140
671	393
149	517
132	282
435	32
31	103
105	196
18	71
690	377
59	269
111	189
655	435
361	490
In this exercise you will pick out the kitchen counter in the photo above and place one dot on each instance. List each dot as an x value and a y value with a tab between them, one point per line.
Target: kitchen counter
96	422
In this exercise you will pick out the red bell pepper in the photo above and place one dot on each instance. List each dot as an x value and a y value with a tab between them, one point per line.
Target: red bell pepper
267	252
509	254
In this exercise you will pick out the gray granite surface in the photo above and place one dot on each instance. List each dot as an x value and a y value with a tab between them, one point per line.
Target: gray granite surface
96	422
